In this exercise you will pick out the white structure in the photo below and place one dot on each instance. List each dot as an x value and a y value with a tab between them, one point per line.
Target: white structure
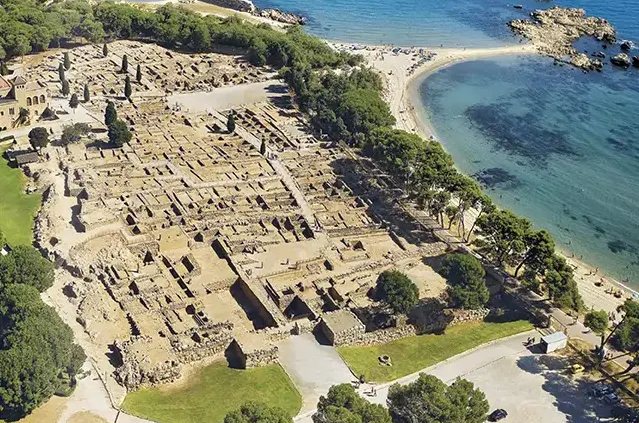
554	341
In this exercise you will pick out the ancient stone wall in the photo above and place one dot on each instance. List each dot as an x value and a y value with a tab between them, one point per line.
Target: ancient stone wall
261	357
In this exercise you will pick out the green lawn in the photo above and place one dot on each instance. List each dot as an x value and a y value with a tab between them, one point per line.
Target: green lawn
409	355
215	391
17	210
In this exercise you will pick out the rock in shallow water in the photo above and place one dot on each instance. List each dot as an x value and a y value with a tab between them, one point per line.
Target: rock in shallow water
621	60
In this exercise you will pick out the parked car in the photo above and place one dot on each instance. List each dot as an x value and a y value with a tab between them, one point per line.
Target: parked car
599	390
611	399
497	415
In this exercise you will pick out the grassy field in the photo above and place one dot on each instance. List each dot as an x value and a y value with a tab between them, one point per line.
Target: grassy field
409	355
213	392
17	209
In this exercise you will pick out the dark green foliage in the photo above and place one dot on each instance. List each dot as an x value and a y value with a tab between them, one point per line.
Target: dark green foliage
23	115
125	64
37	354
119	133
127	87
263	147
397	291
258	412
466	281
342	404
65	87
502	236
87	93
74	102
25	265
105	50
74	133
429	400
110	114
61	72
38	138
138	74
626	334
67	61
230	123
597	320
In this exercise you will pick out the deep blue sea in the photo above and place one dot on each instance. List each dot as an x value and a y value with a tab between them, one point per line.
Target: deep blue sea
551	143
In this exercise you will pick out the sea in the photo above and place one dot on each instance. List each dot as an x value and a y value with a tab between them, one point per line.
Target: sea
549	142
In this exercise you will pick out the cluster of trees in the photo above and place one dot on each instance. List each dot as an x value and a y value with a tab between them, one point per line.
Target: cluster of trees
119	133
349	106
397	291
38	138
466	281
624	335
428	399
31	25
37	355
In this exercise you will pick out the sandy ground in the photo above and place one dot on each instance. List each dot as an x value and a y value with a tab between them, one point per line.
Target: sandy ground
402	68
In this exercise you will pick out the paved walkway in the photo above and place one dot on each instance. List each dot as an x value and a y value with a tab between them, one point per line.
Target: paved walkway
313	367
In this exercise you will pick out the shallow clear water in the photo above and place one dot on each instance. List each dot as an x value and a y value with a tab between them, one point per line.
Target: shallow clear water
550	143
556	145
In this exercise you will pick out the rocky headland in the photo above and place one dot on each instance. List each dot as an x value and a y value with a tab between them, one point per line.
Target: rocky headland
554	31
279	16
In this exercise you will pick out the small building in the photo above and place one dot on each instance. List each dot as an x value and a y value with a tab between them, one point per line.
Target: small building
553	342
26	158
342	327
17	93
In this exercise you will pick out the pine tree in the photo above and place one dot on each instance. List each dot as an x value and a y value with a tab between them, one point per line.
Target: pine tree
87	93
125	64
263	148
127	87
230	123
138	74
61	72
105	50
74	102
110	114
65	87
67	61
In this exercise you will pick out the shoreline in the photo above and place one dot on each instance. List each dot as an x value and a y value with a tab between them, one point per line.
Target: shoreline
401	70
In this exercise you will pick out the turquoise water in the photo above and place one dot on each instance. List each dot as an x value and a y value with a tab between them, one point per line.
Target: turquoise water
551	143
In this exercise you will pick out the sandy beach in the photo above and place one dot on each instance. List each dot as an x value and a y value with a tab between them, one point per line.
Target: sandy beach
403	66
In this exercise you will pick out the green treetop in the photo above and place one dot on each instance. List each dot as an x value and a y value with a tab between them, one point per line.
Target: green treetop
397	290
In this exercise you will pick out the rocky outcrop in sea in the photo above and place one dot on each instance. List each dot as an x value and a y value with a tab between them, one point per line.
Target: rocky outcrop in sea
279	16
554	31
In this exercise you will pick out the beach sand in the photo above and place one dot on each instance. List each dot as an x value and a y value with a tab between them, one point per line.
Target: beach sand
402	67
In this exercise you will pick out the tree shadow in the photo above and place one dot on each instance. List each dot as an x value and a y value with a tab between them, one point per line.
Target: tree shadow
570	392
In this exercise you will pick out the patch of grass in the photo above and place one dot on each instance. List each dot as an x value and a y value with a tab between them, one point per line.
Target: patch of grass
216	390
411	354
17	209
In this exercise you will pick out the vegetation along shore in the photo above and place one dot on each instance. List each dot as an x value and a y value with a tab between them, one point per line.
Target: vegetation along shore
215	235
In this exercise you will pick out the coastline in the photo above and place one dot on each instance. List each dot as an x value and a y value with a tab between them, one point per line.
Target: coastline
401	68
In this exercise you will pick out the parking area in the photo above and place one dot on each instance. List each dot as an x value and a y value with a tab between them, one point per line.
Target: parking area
531	387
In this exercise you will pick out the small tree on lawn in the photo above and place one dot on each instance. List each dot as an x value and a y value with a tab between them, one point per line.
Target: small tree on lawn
466	281
61	72
105	50
65	87
138	74
230	123
597	321
127	87
67	61
74	102
125	64
119	133
87	93
397	290
38	138
110	114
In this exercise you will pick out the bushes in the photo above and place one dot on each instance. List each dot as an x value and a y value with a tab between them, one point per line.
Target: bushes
397	291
